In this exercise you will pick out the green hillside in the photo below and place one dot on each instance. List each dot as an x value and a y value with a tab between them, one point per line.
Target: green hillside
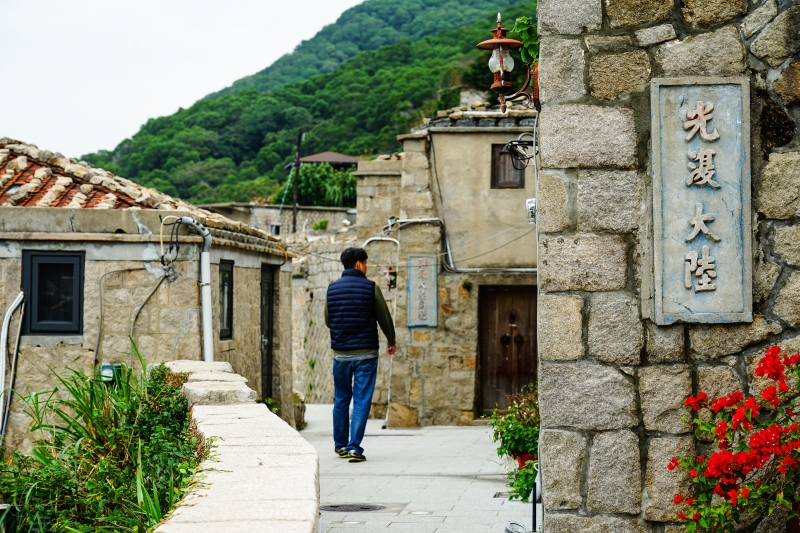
234	148
367	26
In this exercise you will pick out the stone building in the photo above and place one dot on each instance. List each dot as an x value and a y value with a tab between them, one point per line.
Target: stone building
278	220
86	246
453	188
612	380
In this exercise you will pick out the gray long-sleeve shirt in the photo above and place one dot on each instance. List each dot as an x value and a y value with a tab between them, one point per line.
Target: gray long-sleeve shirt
384	321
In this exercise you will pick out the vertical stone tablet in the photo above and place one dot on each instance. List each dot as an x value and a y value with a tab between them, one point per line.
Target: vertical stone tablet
701	200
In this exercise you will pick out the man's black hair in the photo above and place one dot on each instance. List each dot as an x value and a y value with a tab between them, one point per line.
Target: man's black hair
351	255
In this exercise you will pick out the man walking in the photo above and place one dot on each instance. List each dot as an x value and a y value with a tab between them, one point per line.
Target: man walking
353	310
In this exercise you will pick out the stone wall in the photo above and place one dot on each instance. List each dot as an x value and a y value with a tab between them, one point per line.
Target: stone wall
265	216
434	374
612	383
167	328
312	356
261	475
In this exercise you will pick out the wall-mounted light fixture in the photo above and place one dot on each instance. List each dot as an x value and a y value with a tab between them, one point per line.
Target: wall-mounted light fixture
501	63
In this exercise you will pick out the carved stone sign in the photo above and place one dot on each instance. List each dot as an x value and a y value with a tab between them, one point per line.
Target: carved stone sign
701	200
422	291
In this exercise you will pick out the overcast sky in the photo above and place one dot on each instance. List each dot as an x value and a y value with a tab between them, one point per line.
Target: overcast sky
82	75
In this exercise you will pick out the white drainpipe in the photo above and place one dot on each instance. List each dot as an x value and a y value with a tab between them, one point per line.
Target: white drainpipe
3	343
205	287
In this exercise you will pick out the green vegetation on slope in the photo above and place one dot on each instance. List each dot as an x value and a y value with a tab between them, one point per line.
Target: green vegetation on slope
235	148
367	26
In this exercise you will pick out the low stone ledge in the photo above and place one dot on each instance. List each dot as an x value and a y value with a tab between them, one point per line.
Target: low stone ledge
216	376
218	393
184	365
261	475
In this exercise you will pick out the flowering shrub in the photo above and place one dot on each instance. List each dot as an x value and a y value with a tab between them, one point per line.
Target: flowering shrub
757	452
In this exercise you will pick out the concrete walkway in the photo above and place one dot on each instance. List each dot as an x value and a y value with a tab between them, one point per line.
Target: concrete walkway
440	479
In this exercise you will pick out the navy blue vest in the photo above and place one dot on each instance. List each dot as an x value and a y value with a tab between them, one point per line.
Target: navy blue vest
351	312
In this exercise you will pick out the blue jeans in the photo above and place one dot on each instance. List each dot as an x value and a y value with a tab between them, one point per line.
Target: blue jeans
352	380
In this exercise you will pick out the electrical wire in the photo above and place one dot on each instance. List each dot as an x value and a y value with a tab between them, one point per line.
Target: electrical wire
161	232
470	245
499	247
302	252
100	324
285	254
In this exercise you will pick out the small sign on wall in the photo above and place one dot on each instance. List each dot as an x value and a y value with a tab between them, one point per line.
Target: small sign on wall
701	200
422	291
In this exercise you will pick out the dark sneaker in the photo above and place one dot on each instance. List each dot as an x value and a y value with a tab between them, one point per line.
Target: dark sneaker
355	457
341	452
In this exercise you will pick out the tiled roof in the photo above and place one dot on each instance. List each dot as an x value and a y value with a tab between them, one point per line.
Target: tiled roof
330	157
30	177
481	116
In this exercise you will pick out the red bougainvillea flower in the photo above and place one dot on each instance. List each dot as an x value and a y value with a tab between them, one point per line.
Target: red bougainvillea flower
787	463
770	395
754	437
697	402
791	360
771	365
718	404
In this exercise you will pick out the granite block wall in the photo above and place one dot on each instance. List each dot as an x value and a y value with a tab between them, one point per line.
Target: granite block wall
167	328
612	381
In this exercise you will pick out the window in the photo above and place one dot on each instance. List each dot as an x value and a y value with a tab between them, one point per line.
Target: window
53	285
504	175
226	299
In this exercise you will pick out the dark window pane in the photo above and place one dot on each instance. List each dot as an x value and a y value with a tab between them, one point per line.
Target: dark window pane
56	292
504	174
224	299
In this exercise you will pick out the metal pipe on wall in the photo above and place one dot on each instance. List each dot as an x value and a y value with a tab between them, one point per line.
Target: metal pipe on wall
394	314
3	346
14	360
205	287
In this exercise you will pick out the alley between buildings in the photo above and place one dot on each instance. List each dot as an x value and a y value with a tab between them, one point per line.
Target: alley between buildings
437	479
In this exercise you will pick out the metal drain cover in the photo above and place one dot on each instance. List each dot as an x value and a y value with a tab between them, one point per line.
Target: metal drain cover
351	507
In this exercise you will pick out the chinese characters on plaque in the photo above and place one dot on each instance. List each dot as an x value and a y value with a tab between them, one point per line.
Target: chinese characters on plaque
422	291
701	200
702	174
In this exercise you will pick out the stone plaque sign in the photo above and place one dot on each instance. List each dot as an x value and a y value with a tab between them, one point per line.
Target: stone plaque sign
701	200
422	291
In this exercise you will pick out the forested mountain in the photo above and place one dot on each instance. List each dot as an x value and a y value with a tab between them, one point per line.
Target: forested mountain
234	148
367	26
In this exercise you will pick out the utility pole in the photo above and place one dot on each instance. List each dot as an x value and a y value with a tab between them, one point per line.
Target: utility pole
296	179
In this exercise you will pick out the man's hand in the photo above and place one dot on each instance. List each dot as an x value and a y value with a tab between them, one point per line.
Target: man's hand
391	349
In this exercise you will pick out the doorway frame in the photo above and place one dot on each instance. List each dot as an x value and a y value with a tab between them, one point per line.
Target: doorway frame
500	283
267	304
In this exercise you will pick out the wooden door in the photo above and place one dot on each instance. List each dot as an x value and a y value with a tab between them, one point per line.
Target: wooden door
267	312
507	330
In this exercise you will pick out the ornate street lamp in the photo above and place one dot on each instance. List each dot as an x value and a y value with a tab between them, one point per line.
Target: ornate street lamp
501	64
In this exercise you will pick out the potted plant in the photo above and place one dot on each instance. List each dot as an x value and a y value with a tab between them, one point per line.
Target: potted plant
517	431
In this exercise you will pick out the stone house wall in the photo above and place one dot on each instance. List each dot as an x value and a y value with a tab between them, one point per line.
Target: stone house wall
612	383
168	326
434	374
264	216
312	356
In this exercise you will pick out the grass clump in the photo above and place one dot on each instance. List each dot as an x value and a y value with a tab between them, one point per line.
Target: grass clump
108	456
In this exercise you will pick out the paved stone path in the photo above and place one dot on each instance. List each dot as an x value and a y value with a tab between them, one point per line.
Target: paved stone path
439	479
